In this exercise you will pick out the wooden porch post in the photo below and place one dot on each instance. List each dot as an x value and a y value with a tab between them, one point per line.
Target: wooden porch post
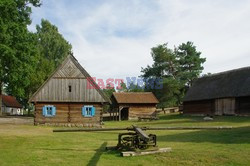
120	113
116	114
110	116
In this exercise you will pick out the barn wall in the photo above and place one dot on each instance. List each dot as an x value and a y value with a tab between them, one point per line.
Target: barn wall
136	111
68	114
225	106
243	105
199	107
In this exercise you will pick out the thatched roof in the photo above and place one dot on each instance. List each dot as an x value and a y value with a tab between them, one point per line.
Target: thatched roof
233	83
135	98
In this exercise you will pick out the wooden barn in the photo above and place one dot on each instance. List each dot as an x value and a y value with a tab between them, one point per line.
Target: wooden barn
131	105
69	97
10	106
225	93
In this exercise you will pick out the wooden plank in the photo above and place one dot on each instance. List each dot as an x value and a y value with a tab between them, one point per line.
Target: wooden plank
132	153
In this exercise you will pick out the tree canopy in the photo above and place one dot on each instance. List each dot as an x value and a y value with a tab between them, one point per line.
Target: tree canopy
177	68
17	49
27	58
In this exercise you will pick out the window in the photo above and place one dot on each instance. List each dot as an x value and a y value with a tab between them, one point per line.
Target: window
69	88
49	111
88	111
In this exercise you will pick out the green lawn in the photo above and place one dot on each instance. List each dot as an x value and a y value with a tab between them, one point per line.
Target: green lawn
38	145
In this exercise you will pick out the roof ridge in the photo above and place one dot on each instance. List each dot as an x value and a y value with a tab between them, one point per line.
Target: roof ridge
227	71
232	83
133	92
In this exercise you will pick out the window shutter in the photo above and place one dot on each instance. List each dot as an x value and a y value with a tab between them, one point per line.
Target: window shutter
53	111
93	111
83	111
44	110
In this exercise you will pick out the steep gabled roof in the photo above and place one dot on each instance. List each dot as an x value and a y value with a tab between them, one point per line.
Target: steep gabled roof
233	83
10	101
81	73
135	97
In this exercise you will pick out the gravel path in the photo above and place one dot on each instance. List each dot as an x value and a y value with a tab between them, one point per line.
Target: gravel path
17	120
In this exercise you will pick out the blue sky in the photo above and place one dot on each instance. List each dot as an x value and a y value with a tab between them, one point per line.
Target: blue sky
113	38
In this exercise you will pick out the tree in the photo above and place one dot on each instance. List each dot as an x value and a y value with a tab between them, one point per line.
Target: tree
168	95
27	58
176	68
15	46
135	88
165	63
52	48
108	91
165	67
52	45
123	88
190	62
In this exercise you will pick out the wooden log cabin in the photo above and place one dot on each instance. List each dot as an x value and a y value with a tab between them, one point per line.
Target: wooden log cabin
133	105
225	93
69	98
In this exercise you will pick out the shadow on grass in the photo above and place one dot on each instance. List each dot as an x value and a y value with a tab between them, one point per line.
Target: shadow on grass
94	160
166	122
171	119
239	135
62	149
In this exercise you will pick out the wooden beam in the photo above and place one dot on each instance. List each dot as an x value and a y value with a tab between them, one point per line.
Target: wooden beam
131	153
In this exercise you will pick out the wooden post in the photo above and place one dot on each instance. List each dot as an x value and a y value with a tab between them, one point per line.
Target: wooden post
119	114
132	153
116	116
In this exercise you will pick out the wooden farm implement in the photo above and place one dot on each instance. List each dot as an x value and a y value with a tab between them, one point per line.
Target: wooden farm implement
136	141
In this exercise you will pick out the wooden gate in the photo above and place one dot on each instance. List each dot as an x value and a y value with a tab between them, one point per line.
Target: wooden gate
225	106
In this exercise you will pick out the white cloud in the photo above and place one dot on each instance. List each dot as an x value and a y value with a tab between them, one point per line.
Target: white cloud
113	38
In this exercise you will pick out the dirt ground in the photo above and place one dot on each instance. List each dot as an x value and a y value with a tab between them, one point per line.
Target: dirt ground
17	120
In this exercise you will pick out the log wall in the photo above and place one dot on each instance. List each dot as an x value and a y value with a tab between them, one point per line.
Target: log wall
199	107
68	114
141	111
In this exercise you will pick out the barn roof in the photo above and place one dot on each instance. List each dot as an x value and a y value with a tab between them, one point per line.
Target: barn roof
10	101
233	83
135	97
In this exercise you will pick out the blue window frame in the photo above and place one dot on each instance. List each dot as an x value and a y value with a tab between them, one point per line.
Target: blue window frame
49	111
88	111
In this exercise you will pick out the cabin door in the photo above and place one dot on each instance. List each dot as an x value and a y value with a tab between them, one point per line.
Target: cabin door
124	113
225	106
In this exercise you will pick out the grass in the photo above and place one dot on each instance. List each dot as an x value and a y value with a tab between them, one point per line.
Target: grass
38	145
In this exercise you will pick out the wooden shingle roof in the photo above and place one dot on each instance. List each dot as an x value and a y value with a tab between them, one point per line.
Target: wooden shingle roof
135	97
233	83
10	101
